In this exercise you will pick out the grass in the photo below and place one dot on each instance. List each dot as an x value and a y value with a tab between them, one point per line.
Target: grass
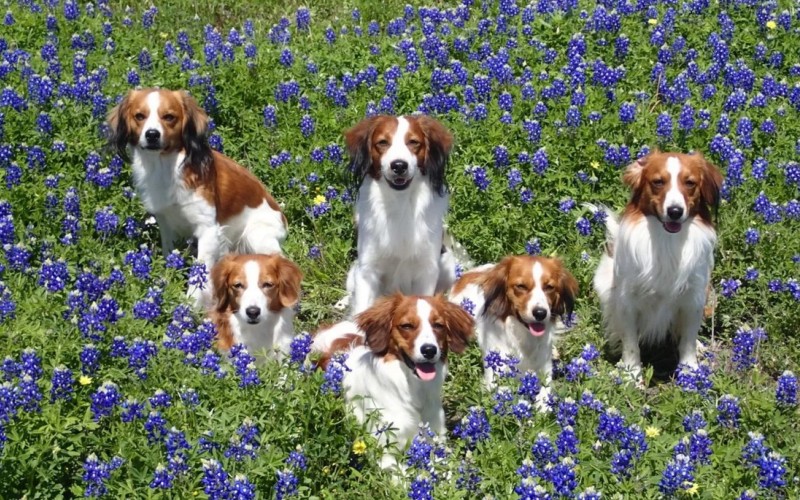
47	446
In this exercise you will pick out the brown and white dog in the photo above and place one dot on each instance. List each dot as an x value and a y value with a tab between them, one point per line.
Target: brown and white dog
192	191
517	303
397	359
254	299
652	281
398	164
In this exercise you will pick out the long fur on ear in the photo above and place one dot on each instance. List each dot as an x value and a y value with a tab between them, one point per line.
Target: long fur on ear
458	323
633	172
118	133
376	323
289	278
195	135
439	143
711	185
357	140
219	281
494	289
567	291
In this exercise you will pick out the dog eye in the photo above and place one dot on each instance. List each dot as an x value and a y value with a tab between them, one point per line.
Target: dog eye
238	285
413	142
658	183
266	284
521	287
382	143
438	326
169	118
139	117
690	183
548	288
406	326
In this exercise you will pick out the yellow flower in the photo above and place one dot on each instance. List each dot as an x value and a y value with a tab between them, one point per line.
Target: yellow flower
772	25
652	22
84	380
652	432
319	199
326	470
595	164
692	489
359	447
164	35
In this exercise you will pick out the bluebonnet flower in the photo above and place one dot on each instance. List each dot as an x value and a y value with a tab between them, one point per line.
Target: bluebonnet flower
468	306
502	366
694	379
139	355
61	385
728	411
96	472
149	308
627	112
566	205
786	390
244	363
106	221
90	359
479	177
567	441
155	427
286	485
141	262
175	260
533	247
567	412
473	427
745	344
270	116
299	348
162	478
53	275
334	374
679	473
730	287
664	126
242	488
104	400
540	161
583	226
160	399
131	410
771	471
307	125
694	421
29	394
198	276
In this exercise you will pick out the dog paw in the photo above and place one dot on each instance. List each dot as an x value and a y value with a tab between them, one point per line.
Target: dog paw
343	304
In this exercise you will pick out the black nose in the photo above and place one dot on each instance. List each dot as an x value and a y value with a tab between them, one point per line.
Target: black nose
428	350
399	167
152	135
539	313
675	213
253	312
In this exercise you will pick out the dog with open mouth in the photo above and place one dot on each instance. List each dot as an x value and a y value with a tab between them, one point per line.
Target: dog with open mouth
653	278
517	303
396	362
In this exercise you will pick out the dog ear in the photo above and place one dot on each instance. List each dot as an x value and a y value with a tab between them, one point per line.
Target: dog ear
118	131
458	324
289	278
219	282
376	323
633	172
357	139
195	134
494	289
438	144
711	184
567	291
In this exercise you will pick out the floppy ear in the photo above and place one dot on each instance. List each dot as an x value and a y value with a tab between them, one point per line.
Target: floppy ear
439	143
118	127
494	289
195	134
357	140
219	282
567	290
376	323
289	277
458	323
711	185
633	172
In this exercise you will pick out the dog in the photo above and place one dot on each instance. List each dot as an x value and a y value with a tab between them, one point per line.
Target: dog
397	354
653	277
517	303
192	191
254	297
398	166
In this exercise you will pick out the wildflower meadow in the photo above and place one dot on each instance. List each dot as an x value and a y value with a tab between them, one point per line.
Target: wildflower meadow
109	382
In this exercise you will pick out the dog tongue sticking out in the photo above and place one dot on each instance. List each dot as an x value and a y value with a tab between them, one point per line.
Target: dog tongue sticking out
425	371
536	329
672	227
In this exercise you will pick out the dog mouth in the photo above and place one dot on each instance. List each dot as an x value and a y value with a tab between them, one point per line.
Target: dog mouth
398	183
537	328
151	146
425	371
253	321
672	226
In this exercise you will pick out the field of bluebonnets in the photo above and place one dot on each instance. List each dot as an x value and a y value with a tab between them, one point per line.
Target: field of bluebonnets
110	385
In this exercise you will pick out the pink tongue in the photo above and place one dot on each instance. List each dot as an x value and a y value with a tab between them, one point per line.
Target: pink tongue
672	227
536	329
425	371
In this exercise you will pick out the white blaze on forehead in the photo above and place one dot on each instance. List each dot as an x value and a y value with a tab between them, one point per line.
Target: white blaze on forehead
674	197
153	121
538	297
398	149
426	335
252	296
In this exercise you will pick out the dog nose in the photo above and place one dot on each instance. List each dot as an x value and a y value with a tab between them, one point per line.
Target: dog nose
675	213
152	135
399	167
428	350
539	313
253	312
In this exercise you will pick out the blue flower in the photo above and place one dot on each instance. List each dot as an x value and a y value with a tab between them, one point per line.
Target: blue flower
745	344
728	411
104	400
694	379
679	473
786	390
162	478
53	275
216	483
160	399
473	427
771	471
286	485
300	347
96	472
90	359
61	385
156	427
479	177
334	374
694	421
